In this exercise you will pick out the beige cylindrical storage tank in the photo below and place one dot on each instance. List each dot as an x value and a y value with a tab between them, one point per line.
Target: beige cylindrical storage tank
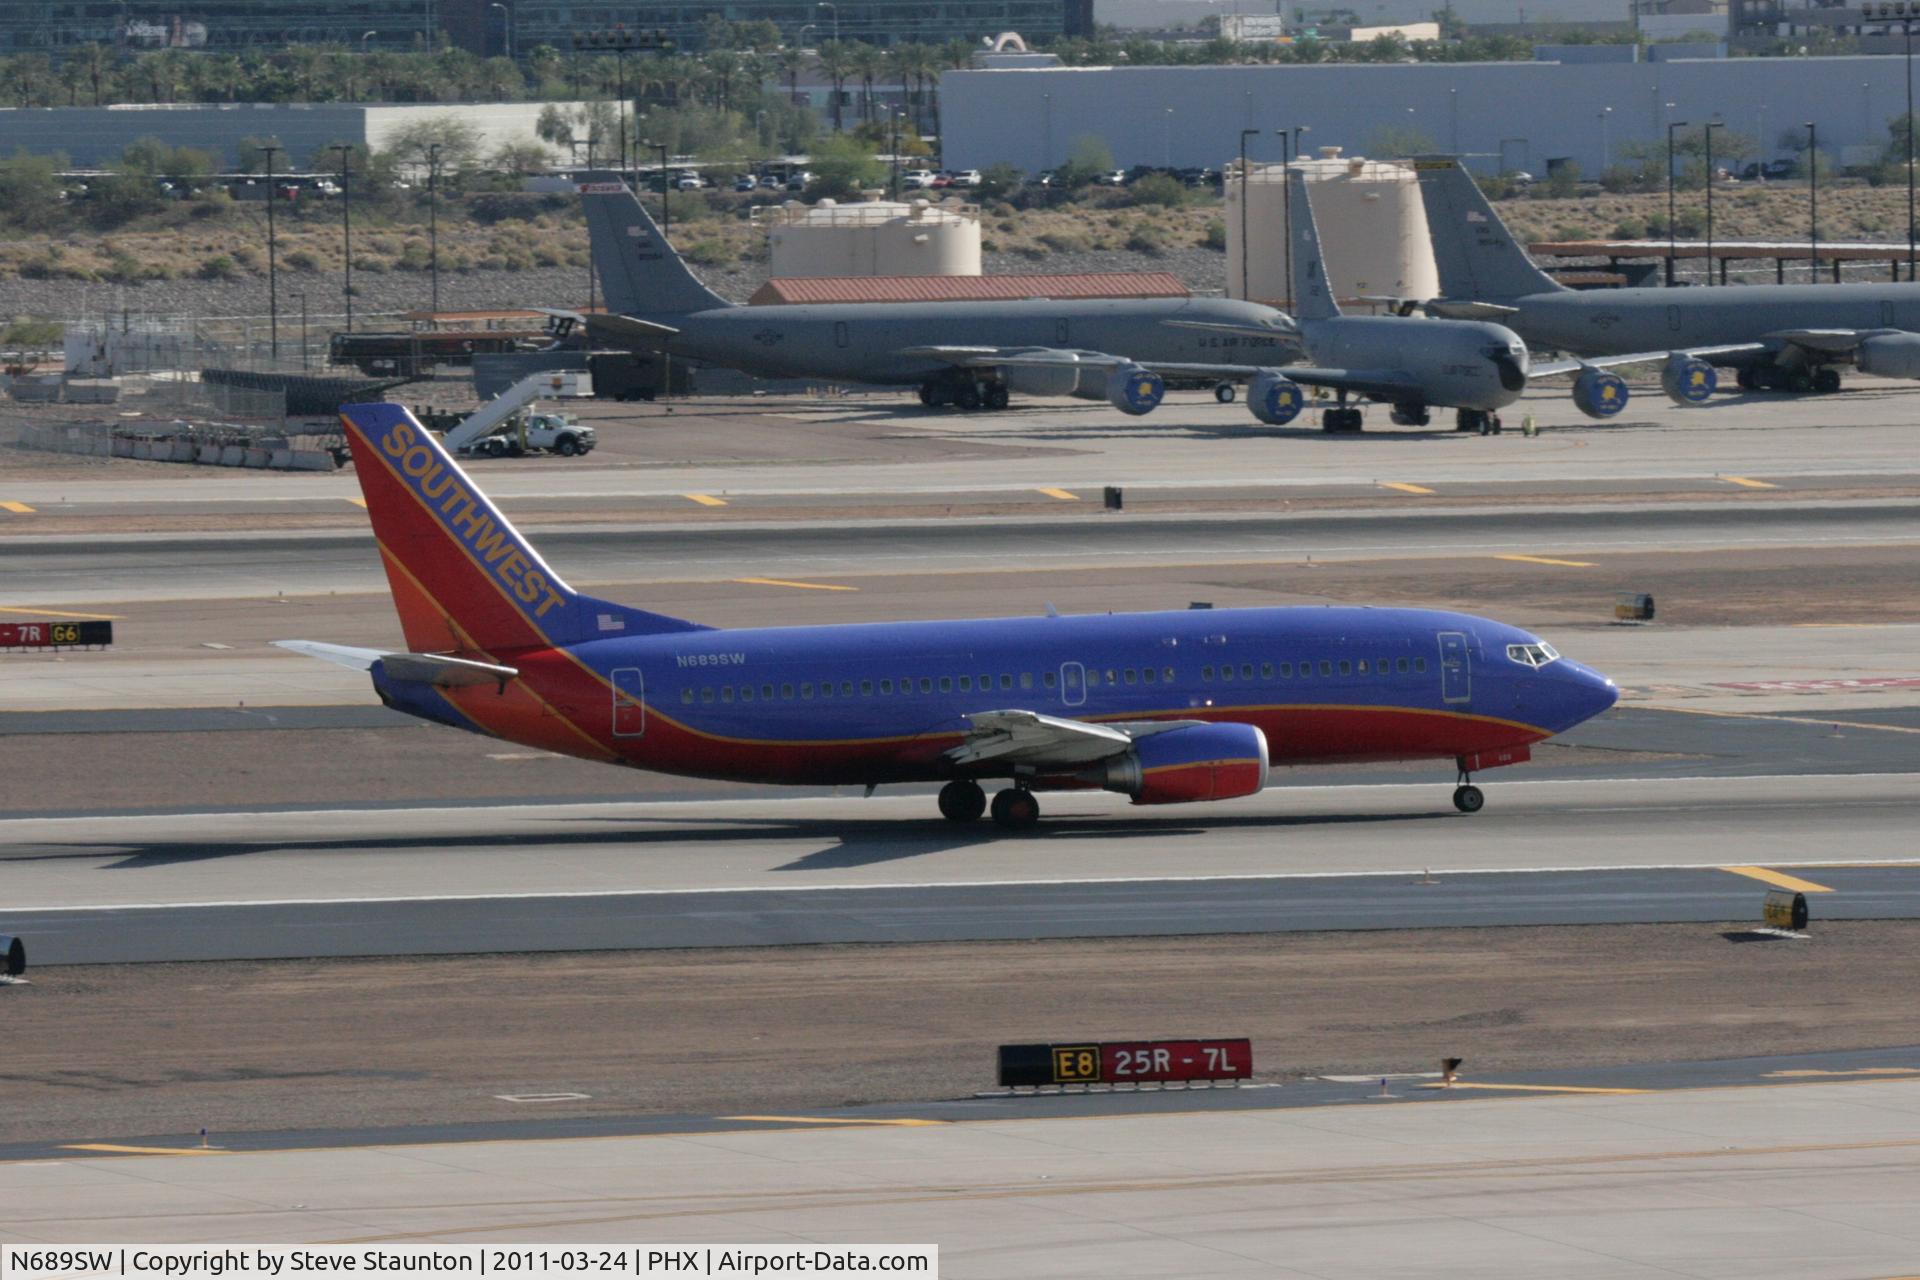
876	238
1373	229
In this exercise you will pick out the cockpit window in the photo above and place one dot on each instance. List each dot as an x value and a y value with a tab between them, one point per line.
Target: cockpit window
1538	654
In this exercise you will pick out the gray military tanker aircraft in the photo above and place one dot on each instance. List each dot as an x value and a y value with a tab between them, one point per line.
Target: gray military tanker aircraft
971	354
1776	337
1475	367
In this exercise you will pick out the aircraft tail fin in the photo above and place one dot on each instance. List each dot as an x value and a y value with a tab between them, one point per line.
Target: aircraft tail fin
1478	257
463	578
639	272
1312	293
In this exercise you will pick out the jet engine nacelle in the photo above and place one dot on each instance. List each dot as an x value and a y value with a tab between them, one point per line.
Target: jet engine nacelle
1275	400
1063	379
1134	390
1688	380
1202	762
1890	355
1599	394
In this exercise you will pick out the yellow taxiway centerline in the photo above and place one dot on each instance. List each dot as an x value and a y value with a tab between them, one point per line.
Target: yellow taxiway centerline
1062	494
1778	879
359	502
56	613
1531	1088
705	499
18	508
1746	483
803	586
1571	564
848	1122
115	1149
1404	488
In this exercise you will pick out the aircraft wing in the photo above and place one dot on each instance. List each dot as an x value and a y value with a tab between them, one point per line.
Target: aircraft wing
1831	342
1385	384
628	329
1465	309
1555	368
1062	358
1049	742
428	668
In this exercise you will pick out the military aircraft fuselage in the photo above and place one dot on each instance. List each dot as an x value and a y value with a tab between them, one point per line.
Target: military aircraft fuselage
872	342
1604	322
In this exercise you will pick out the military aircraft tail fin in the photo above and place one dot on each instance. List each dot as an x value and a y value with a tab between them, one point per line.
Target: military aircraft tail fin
1478	257
1312	293
639	271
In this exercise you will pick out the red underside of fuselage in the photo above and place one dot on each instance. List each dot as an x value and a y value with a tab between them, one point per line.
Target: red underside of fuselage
561	706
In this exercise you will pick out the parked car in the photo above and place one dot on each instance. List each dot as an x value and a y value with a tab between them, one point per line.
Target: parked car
1112	178
965	177
919	179
798	179
1770	169
747	182
1046	178
689	181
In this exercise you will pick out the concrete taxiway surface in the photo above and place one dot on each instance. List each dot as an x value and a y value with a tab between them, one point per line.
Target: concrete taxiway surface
1810	1180
133	567
230	885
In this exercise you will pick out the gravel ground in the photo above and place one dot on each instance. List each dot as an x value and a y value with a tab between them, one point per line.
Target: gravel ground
1203	269
114	1052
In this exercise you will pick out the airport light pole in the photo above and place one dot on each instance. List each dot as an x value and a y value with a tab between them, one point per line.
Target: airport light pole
1606	151
346	225
433	220
303	327
1813	204
829	4
1246	290
1672	232
273	265
1289	146
1166	139
506	27
1903	12
364	37
1708	129
666	193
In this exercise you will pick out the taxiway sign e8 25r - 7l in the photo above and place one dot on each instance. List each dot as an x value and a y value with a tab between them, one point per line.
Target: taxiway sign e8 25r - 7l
1163	707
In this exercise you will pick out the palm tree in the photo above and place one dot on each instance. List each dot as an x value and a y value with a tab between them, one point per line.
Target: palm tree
790	62
867	62
95	63
836	59
723	65
30	75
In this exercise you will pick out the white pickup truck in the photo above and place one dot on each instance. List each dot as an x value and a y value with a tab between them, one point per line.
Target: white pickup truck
503	428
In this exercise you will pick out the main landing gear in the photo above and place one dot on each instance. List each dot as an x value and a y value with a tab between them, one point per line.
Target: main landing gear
1822	381
962	800
1468	798
966	393
1342	421
1487	424
1224	392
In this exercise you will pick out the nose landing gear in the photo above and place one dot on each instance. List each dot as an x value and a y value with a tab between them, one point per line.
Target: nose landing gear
1468	798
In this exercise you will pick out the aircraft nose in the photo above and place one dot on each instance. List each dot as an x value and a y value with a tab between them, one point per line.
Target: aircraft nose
1589	693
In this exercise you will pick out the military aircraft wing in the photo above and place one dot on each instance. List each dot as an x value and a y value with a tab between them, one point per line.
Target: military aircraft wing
1832	342
1385	384
1557	368
1061	358
1465	309
627	328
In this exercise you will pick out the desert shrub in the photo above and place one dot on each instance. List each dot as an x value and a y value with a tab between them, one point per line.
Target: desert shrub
1159	189
1065	241
1215	236
219	267
1148	239
302	260
708	253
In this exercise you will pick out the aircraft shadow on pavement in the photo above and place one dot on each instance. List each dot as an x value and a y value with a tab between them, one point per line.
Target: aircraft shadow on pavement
850	842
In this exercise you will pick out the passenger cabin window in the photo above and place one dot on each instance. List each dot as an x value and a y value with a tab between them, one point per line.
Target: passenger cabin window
1420	666
886	686
1048	679
926	684
1326	667
1346	667
946	684
1400	665
686	695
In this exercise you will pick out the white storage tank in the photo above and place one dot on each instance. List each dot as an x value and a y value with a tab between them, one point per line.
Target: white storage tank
1373	229
874	238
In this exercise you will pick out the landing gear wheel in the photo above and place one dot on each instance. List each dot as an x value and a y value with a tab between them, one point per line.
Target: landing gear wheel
962	800
1470	420
968	396
1493	420
997	397
1468	798
1800	382
1224	393
1342	421
1746	380
1016	810
1826	381
929	394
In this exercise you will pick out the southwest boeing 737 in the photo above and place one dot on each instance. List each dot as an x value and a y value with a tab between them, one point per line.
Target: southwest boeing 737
1162	707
